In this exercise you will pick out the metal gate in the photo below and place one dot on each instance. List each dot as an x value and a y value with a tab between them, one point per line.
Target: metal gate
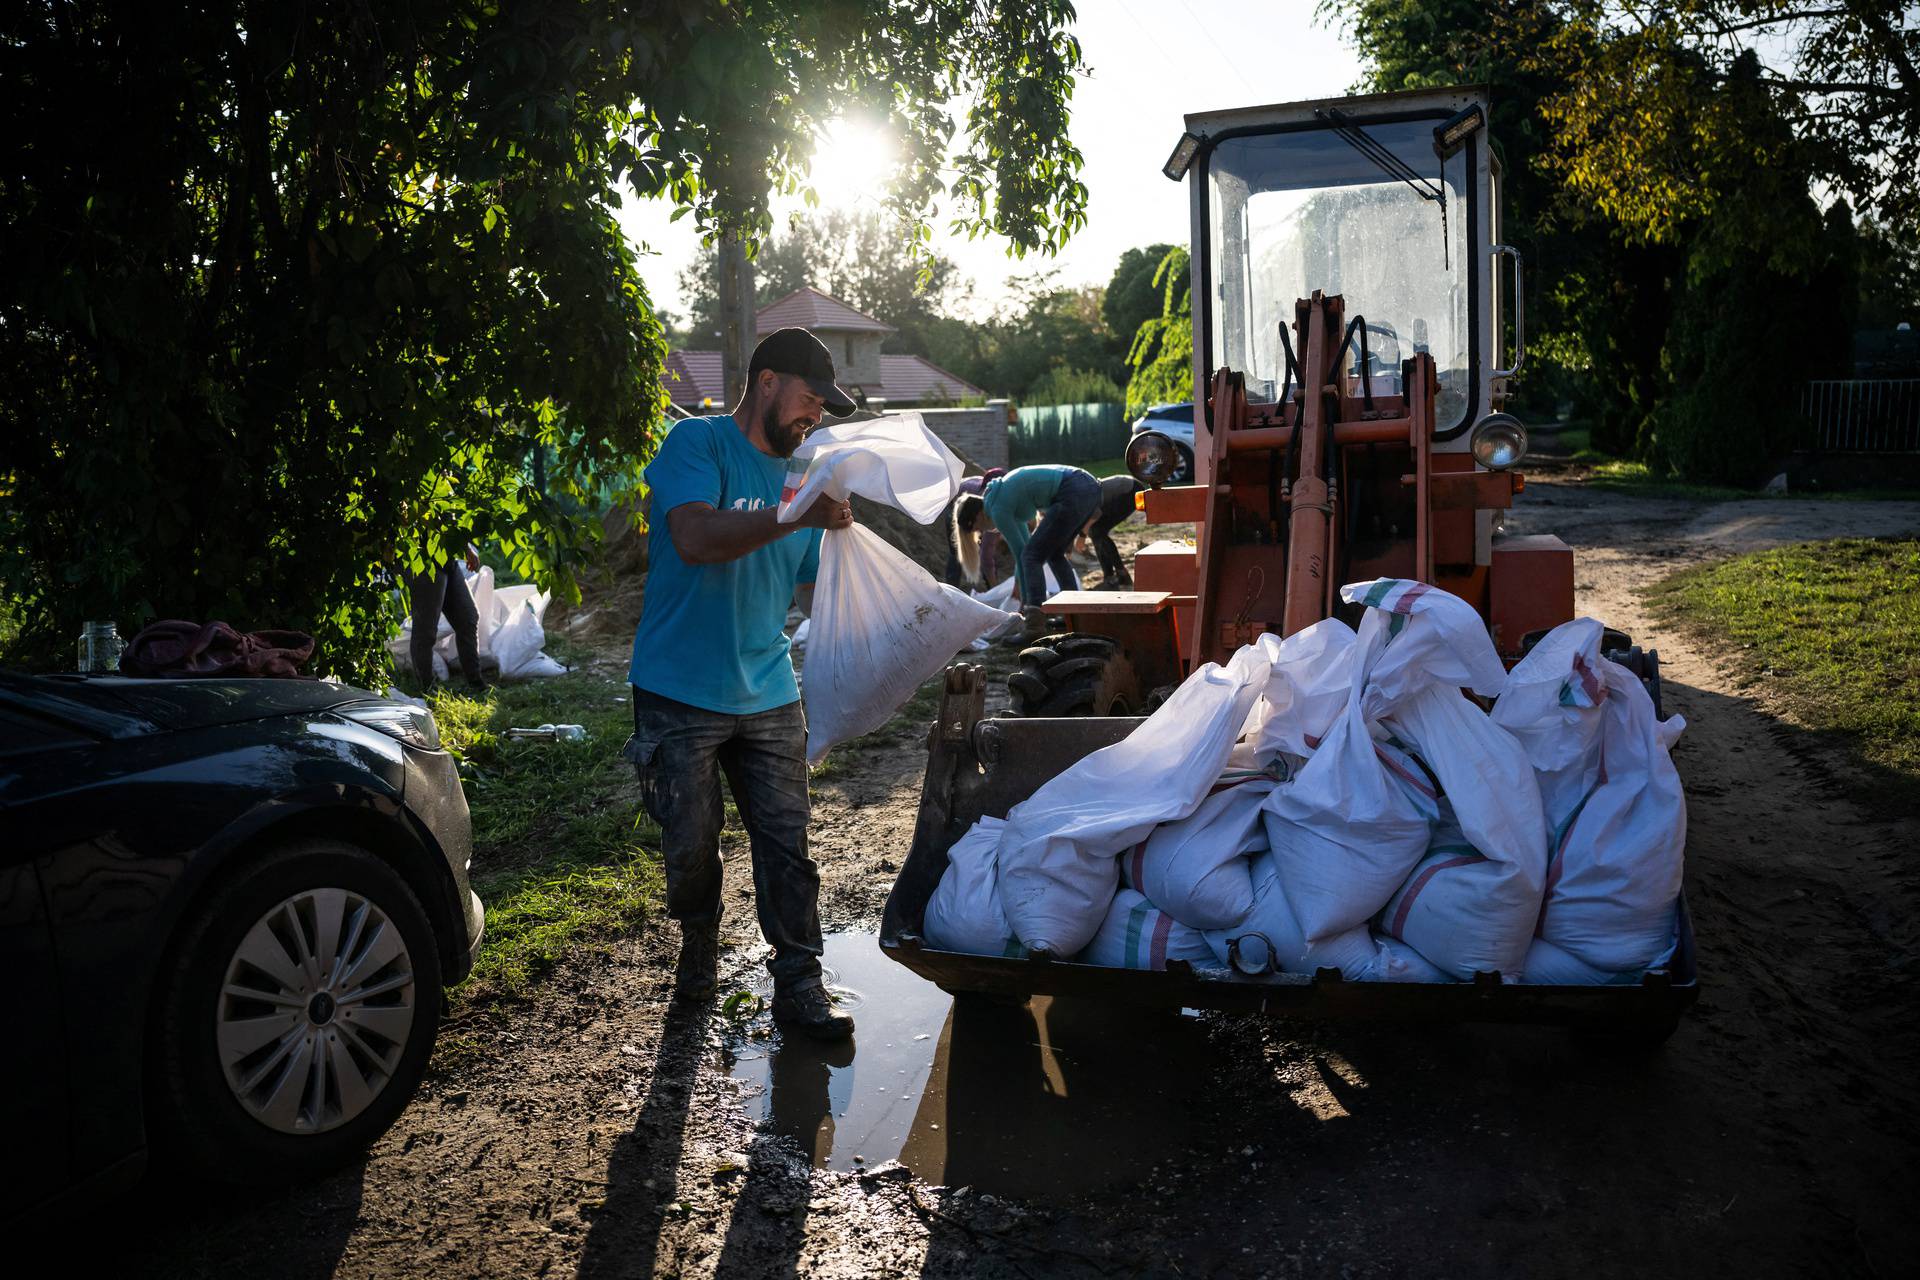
1865	415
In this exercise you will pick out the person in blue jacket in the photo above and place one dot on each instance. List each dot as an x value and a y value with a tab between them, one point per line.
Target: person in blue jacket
1063	497
713	686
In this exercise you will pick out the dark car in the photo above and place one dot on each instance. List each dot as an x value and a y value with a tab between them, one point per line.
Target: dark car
227	911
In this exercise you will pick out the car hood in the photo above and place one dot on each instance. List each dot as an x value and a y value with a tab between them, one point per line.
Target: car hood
121	706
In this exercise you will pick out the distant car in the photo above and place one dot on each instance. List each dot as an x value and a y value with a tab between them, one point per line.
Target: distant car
227	911
1175	421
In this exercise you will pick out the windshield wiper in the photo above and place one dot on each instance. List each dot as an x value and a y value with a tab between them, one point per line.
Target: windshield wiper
1393	166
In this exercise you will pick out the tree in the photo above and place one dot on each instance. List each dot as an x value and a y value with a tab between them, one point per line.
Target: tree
1162	354
1629	124
1768	300
289	292
1074	386
1132	296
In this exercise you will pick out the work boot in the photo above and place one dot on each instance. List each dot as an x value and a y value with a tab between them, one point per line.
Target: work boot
1035	620
806	1009
693	977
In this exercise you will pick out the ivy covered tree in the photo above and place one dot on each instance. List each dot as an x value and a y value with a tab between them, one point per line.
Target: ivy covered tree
289	291
1161	358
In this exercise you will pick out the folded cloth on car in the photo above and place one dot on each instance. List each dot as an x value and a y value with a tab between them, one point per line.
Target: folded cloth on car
175	648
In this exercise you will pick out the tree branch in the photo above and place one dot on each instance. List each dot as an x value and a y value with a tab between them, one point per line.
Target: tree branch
1873	15
1728	28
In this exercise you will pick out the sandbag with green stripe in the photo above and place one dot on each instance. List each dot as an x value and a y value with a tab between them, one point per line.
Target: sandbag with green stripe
1138	935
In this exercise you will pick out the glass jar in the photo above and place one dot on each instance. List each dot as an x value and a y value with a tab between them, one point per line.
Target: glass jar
99	649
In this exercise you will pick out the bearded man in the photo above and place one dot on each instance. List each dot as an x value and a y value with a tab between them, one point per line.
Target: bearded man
713	685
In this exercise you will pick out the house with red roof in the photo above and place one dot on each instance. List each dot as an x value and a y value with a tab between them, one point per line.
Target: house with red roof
695	383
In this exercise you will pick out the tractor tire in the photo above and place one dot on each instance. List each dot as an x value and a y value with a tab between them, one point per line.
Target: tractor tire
1644	663
1074	675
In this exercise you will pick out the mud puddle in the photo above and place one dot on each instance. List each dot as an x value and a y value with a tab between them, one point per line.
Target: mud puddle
1053	1099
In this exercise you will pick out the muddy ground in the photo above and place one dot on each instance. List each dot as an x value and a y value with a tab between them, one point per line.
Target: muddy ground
597	1132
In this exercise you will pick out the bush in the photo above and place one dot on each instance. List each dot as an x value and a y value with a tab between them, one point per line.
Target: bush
1073	386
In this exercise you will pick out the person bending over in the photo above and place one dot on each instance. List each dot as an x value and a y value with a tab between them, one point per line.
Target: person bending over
1064	498
1116	504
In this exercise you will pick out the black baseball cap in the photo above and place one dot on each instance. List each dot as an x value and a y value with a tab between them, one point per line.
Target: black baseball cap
797	352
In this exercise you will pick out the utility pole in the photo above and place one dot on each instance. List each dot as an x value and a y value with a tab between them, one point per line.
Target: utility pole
736	316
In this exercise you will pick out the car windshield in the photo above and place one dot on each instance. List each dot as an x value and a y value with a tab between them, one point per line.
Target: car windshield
1289	213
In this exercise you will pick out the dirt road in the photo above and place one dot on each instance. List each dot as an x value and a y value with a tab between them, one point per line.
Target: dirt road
598	1133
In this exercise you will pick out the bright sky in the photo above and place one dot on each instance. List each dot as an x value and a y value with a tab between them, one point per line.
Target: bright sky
1152	62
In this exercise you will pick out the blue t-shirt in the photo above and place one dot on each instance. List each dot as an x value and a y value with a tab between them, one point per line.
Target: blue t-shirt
714	635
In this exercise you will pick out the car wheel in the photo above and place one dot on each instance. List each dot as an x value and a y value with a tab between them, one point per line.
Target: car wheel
297	1018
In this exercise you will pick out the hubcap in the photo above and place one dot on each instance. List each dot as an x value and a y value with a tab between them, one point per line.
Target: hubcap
315	1011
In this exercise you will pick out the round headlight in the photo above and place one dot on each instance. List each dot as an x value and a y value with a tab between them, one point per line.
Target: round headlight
1499	441
1152	458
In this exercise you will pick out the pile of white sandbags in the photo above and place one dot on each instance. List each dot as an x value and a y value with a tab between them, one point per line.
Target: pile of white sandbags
1337	801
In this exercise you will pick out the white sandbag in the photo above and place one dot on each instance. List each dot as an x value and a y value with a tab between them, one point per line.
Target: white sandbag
1312	678
1414	635
1270	940
1058	864
1614	804
964	912
1349	828
1196	869
1471	903
896	460
517	634
1138	935
1549	966
881	627
881	624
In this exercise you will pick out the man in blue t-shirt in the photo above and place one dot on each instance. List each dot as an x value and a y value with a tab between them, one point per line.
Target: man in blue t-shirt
713	686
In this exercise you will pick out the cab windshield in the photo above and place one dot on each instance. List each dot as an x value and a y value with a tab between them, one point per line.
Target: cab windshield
1292	212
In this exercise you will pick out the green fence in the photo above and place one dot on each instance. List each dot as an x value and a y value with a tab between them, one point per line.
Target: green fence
1067	433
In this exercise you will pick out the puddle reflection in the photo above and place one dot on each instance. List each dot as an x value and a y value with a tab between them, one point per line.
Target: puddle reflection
1055	1098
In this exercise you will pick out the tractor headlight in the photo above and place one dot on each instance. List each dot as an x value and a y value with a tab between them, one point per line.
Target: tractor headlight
1152	458
1499	441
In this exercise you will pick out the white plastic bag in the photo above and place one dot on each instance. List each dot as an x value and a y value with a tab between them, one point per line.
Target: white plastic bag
1270	939
1614	803
1138	935
964	912
1058	864
1196	869
881	627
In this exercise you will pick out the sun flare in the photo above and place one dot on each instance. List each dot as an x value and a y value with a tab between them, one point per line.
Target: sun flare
853	162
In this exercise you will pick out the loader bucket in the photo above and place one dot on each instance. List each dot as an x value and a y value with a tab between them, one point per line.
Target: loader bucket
983	767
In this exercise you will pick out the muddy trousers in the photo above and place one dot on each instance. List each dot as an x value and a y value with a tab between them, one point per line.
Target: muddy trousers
680	753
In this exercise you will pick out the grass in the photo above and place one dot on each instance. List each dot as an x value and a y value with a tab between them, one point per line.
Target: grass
1105	467
1830	628
562	856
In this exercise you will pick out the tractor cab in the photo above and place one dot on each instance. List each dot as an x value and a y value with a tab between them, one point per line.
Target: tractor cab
1349	371
1390	202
